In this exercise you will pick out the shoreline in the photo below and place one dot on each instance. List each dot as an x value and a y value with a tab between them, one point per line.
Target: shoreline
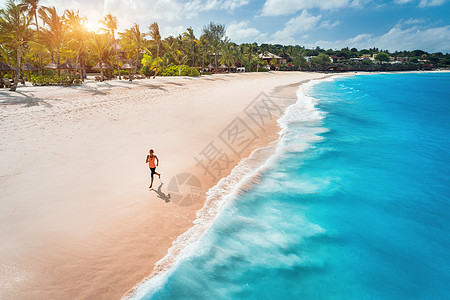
80	227
258	160
67	132
233	253
242	177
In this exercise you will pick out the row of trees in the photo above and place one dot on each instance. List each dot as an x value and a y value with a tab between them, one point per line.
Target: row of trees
39	35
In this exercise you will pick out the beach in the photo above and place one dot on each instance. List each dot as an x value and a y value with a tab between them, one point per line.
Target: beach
352	202
78	219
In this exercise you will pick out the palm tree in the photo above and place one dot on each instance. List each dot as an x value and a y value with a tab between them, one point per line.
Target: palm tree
99	46
32	7
47	41
156	37
110	23
190	38
15	31
215	34
56	28
258	62
78	34
228	55
248	52
5	52
179	58
133	39
203	43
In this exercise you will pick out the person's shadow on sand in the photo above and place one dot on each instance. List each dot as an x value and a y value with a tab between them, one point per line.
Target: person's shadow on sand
161	195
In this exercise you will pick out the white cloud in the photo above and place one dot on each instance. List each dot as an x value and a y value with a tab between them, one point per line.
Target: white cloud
302	23
240	32
173	31
328	25
423	3
412	21
233	4
426	3
286	7
192	8
144	12
398	38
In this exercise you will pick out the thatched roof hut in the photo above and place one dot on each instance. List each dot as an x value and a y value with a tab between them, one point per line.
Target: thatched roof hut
69	65
5	67
223	67
210	66
29	67
127	66
104	66
51	66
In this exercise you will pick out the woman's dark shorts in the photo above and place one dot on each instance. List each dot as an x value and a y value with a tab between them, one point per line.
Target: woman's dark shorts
153	171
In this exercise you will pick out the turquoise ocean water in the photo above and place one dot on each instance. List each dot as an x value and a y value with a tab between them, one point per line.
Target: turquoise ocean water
355	204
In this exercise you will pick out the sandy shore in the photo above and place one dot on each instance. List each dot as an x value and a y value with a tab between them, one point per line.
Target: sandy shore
77	218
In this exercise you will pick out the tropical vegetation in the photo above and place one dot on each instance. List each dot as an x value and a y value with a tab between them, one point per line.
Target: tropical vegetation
48	39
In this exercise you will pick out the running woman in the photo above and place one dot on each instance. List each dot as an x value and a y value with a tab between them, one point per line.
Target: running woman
151	163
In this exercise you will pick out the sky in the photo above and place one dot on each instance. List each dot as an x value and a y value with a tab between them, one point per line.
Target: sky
330	24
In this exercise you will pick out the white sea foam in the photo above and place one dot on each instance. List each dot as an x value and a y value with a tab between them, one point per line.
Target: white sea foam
186	245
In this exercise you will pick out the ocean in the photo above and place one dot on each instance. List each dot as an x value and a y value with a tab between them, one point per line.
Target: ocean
354	204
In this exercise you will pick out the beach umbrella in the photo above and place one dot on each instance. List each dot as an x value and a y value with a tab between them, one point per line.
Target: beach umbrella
127	66
104	66
210	66
223	67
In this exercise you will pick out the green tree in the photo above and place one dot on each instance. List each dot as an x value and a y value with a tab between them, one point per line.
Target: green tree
99	46
382	57
215	34
56	29
32	7
189	37
228	55
156	37
300	62
77	35
133	40
15	31
179	58
249	53
258	62
321	60
110	22
203	43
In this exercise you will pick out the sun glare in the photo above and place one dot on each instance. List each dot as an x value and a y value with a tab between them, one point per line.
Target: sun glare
93	27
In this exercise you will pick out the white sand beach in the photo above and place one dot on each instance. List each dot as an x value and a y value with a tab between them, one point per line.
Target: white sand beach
77	218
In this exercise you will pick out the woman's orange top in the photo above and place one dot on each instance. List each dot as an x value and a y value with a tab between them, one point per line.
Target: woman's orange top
151	161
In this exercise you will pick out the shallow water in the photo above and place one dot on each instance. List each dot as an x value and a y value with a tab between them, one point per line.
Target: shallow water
354	204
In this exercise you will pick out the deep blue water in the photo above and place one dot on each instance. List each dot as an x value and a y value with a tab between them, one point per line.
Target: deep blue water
361	212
